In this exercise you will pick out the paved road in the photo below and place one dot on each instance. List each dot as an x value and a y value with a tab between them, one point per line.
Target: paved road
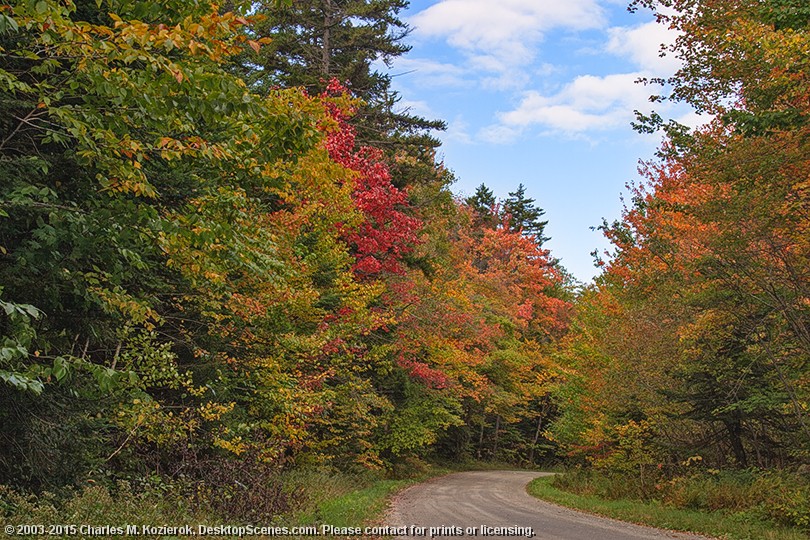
494	502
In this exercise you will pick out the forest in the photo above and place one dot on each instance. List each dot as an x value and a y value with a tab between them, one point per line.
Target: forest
227	254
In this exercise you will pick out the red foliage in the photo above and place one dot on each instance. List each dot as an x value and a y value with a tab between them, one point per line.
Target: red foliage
432	378
387	233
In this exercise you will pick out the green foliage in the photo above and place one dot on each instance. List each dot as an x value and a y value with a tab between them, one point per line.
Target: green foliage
311	42
18	333
786	14
416	424
523	216
483	203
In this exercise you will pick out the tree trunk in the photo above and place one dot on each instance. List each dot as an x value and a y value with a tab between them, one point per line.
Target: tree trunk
734	428
536	438
481	434
497	429
326	38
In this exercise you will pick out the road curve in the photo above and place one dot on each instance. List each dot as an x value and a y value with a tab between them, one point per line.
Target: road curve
497	505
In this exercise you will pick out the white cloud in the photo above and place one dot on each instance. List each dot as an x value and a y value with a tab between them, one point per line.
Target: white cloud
419	108
587	103
429	73
458	130
498	134
643	45
497	44
694	120
546	69
506	29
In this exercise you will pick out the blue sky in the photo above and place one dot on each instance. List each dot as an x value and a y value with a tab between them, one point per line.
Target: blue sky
539	92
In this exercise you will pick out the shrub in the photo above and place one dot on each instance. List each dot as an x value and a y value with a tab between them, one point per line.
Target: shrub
776	495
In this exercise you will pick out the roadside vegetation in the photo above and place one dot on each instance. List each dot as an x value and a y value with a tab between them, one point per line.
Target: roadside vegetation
734	505
308	497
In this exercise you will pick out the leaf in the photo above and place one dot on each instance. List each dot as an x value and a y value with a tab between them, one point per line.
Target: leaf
22	382
8	23
60	368
30	310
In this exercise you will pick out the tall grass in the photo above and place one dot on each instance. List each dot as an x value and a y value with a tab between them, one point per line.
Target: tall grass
728	526
780	497
99	505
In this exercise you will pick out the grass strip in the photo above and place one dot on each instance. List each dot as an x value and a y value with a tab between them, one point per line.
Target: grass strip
360	507
731	526
342	506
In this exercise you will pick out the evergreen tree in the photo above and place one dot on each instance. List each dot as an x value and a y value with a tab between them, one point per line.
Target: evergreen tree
483	204
523	215
313	41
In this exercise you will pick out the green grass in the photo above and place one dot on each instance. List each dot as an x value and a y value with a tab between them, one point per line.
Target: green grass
347	499
736	526
355	508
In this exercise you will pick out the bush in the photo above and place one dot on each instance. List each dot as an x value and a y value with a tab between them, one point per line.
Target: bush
606	485
776	495
245	490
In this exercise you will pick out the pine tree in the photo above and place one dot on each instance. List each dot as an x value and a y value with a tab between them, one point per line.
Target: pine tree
483	204
523	215
313	41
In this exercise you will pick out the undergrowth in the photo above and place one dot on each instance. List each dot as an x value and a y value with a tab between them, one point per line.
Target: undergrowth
778	496
305	496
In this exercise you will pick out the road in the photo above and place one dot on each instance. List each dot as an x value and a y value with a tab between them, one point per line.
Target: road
495	501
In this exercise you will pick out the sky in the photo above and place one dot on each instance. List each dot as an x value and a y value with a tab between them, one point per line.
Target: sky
540	92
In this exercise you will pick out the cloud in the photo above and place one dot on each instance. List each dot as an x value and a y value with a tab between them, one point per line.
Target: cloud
429	73
497	49
693	120
494	74
587	103
458	130
508	29
499	134
417	107
643	46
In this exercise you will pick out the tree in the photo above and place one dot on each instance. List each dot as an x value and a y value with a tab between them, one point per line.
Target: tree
523	216
743	61
198	277
314	41
147	212
387	233
478	332
699	324
483	204
711	257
